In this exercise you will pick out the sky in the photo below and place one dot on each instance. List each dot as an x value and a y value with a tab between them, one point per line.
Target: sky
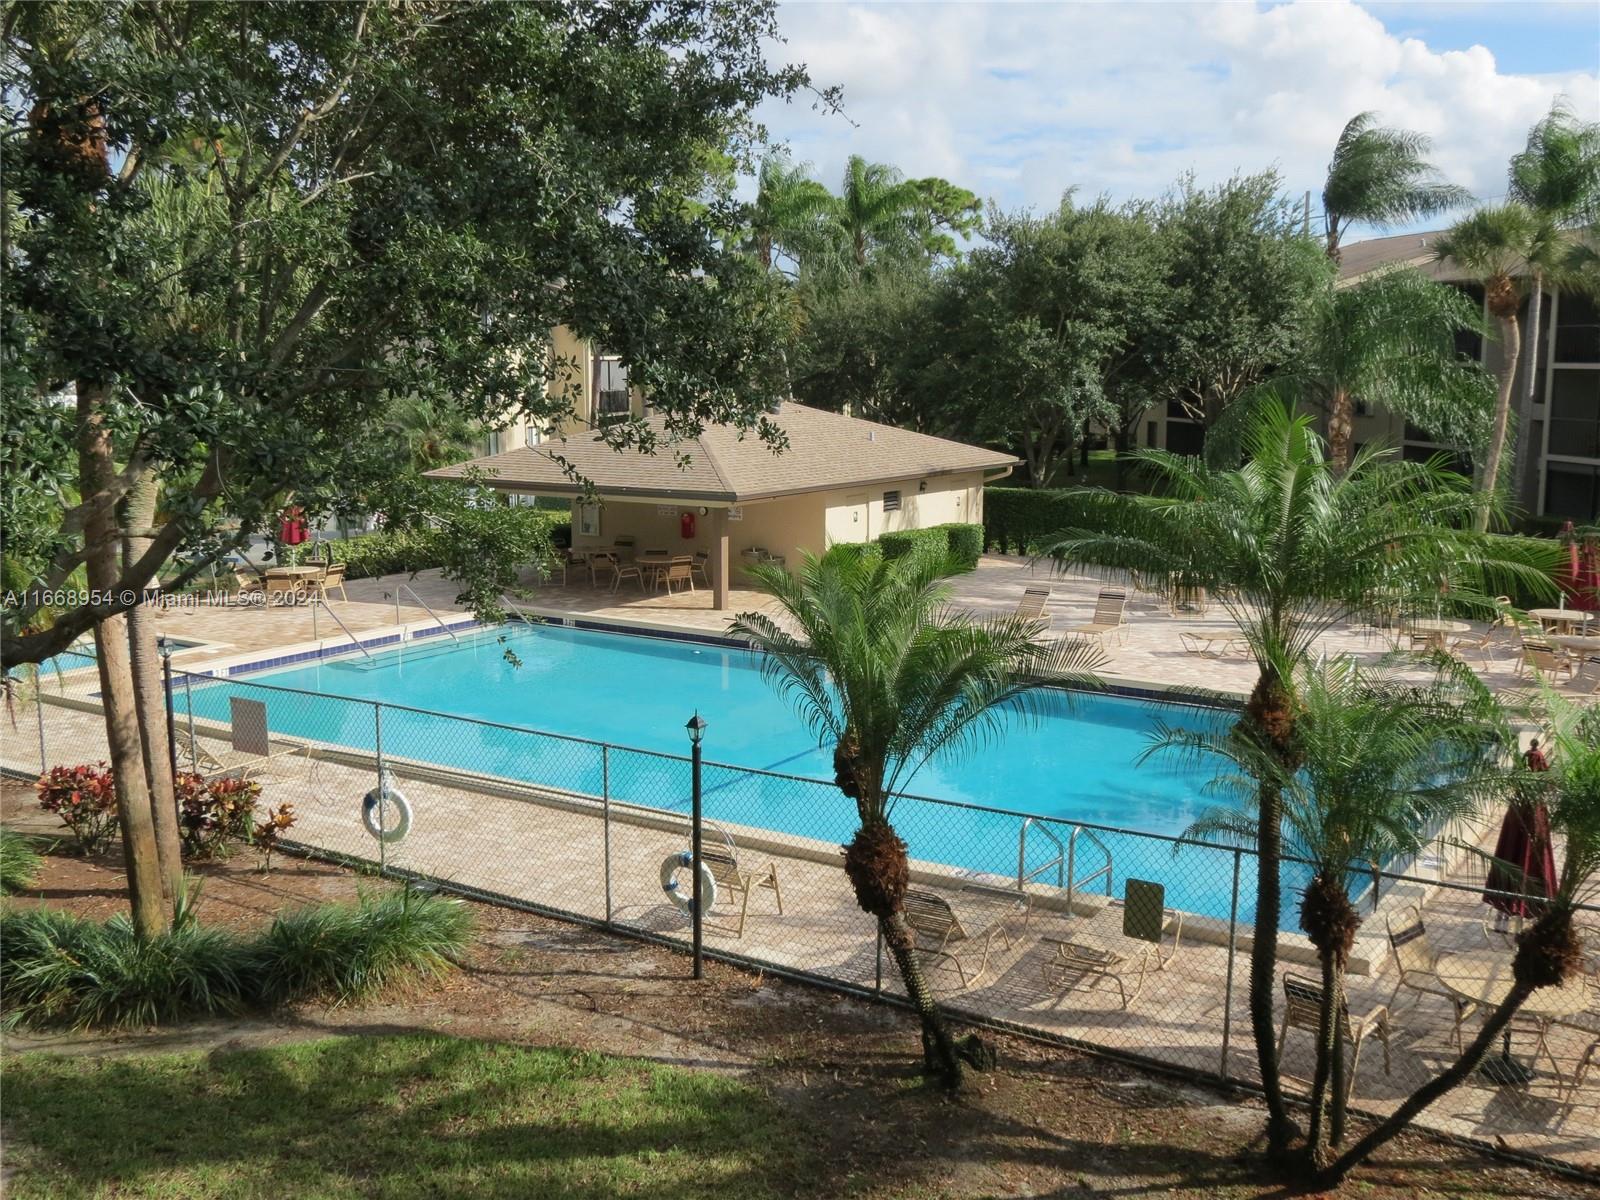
1019	102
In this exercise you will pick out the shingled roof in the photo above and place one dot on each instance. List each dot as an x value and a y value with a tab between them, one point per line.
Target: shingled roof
826	451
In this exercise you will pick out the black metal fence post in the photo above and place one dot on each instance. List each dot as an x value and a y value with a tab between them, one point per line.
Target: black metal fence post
697	730
165	650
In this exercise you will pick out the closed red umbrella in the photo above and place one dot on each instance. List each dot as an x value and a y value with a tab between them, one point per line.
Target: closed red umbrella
1525	860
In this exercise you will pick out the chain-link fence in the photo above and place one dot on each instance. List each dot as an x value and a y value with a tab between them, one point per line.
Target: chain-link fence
1121	941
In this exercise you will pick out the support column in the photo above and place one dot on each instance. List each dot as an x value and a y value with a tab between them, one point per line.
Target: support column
719	560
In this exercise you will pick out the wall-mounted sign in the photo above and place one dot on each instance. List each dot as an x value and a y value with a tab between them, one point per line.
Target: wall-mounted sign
735	513
666	510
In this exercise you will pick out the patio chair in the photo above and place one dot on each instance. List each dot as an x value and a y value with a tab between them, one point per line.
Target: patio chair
1145	920
248	582
1032	605
1109	614
1573	1082
250	743
698	567
735	880
280	589
1543	658
331	579
1417	962
1302	1009
678	573
940	936
627	570
601	561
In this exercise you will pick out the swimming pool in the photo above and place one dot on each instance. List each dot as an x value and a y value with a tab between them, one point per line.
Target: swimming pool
1076	763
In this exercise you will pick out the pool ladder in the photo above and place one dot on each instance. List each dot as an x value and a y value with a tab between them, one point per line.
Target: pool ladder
1065	863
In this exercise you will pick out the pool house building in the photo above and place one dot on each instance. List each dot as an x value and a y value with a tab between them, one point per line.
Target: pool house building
729	496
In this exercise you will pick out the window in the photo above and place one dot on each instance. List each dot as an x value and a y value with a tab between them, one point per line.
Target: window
610	387
1575	414
1577	330
1571	491
891	502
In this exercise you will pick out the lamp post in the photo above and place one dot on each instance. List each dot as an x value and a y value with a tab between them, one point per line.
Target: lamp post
164	648
697	731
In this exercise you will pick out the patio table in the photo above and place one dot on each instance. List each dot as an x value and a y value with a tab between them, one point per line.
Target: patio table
296	577
1436	630
1483	979
1561	618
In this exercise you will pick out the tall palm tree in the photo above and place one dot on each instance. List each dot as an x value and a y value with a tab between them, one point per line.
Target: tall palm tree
788	211
1381	177
876	662
1389	340
1502	247
1549	952
1292	547
876	205
1557	175
1367	788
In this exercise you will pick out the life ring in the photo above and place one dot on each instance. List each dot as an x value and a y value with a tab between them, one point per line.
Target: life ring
684	900
386	797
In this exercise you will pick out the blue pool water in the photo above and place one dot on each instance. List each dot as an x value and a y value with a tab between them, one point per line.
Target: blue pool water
1074	763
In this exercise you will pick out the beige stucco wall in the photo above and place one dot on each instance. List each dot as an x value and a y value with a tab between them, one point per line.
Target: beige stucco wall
572	382
788	525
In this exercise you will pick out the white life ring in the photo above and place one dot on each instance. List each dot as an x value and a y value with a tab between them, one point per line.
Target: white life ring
386	797
684	899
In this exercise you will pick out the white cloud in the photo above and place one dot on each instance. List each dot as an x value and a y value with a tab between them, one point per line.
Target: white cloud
1021	101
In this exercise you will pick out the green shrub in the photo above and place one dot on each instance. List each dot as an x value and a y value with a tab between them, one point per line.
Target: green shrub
63	969
1026	520
911	541
407	551
347	951
19	864
965	542
961	544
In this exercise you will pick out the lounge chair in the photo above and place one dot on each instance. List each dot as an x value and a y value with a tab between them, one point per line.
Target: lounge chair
941	937
1109	614
1032	605
250	744
1302	1009
1417	962
736	881
1137	953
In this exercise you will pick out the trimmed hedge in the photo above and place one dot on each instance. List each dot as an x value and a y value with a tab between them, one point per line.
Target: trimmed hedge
408	551
962	543
1025	520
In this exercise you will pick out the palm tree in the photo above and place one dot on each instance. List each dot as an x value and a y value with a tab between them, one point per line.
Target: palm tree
1390	340
877	664
877	205
1292	547
1557	175
788	211
1500	247
1381	177
1549	952
1367	788
427	435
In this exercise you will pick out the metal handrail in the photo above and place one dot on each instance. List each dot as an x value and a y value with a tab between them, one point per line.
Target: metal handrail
1072	862
1058	862
321	602
423	605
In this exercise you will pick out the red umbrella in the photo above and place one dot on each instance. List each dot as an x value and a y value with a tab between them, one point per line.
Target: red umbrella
1525	861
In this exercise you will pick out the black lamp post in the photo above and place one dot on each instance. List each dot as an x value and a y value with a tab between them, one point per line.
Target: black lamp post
697	731
164	647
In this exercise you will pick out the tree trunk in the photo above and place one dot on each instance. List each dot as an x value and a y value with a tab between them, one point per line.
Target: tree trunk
1327	1041
1124	446
1271	712
96	469
940	1058
1527	472
139	511
1511	349
1341	428
1420	1099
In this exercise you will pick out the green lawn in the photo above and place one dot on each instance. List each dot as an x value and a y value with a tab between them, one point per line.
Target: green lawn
407	1116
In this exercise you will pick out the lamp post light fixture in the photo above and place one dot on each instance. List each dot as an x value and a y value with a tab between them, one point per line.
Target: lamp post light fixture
697	731
164	648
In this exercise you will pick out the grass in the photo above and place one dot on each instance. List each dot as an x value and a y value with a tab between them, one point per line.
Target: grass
19	862
63	969
401	1117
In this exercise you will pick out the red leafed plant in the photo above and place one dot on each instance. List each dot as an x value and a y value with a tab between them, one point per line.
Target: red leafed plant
267	833
210	814
85	798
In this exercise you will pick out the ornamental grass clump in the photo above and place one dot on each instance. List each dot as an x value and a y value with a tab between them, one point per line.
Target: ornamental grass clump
85	799
19	862
63	969
345	952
